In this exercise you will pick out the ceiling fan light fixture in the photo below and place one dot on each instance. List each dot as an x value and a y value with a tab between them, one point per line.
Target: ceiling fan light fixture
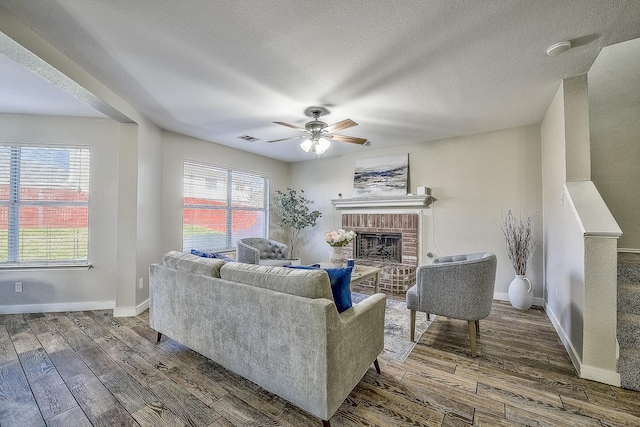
321	134
322	145
317	146
306	145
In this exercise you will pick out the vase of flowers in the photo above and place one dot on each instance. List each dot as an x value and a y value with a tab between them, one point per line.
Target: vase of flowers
519	244
337	239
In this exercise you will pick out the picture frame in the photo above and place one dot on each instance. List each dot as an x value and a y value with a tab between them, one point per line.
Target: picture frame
381	176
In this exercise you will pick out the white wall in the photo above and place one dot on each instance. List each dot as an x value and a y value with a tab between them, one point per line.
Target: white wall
127	210
475	180
579	265
178	148
47	290
149	205
136	169
558	219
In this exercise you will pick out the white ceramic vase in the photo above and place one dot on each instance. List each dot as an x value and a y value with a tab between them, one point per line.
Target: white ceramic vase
521	292
336	256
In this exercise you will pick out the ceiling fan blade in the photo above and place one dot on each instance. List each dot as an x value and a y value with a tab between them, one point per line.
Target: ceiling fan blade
285	139
351	139
291	126
345	124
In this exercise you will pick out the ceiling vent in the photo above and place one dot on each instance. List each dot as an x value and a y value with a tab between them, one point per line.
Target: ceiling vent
248	138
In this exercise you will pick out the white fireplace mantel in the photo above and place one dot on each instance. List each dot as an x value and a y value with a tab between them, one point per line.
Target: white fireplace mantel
408	201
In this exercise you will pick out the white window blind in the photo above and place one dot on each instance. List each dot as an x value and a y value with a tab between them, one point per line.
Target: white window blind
221	206
44	204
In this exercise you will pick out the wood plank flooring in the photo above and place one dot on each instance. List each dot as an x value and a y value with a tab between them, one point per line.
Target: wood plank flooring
88	368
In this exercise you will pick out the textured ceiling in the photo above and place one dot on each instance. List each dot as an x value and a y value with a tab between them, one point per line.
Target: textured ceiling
406	71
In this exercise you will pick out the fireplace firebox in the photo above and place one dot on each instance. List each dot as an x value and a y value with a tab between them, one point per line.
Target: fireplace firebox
388	241
379	247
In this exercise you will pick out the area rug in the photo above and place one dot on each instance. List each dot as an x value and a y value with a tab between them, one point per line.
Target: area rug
397	342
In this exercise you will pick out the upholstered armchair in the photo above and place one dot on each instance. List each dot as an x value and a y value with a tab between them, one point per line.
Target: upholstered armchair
258	250
460	287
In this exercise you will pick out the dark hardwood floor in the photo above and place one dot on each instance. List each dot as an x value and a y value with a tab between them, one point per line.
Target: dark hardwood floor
88	368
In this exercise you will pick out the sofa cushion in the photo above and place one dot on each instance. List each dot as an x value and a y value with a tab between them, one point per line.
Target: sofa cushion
192	263
304	283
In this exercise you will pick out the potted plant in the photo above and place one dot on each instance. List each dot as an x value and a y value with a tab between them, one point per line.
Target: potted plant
295	214
519	245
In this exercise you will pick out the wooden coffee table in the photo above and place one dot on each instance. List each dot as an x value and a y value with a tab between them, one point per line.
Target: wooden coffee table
361	273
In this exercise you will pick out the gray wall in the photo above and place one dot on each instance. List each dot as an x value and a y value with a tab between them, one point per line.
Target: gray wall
614	115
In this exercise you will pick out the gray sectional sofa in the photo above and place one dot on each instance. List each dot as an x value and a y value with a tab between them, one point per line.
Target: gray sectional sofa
277	327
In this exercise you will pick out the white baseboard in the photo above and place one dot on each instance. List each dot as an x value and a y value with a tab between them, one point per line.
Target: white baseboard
130	311
600	375
501	296
573	354
59	307
584	371
75	306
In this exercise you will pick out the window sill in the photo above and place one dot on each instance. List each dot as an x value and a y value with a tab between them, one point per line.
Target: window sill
46	267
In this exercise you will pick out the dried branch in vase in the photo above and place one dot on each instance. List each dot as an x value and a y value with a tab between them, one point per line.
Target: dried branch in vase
519	240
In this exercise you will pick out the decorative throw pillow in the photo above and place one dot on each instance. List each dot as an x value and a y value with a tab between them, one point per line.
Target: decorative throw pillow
341	287
211	255
340	279
304	267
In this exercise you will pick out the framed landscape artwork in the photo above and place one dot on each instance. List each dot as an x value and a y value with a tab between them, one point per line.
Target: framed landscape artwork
381	176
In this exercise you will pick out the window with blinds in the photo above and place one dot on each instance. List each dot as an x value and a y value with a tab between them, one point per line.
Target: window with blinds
221	206
44	204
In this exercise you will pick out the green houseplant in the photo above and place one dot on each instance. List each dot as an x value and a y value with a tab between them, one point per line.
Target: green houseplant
295	214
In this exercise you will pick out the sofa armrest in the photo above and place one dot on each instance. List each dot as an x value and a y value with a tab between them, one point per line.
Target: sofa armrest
373	306
353	347
362	326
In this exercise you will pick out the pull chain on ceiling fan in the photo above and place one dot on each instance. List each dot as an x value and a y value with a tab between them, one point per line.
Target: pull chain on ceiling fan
318	135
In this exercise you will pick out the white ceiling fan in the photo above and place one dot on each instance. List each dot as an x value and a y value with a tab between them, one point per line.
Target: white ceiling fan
318	135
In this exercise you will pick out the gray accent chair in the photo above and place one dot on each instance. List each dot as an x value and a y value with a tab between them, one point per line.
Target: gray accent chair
258	250
460	287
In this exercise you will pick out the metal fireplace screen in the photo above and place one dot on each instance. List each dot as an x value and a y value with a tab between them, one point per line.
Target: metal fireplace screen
379	247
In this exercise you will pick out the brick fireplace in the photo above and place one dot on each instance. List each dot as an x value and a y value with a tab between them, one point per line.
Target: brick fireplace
388	241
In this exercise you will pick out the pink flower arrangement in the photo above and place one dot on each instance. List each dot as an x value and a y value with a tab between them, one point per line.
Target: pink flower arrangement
339	237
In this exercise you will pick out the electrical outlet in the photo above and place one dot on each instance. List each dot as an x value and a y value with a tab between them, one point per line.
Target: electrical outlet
140	283
557	295
18	286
